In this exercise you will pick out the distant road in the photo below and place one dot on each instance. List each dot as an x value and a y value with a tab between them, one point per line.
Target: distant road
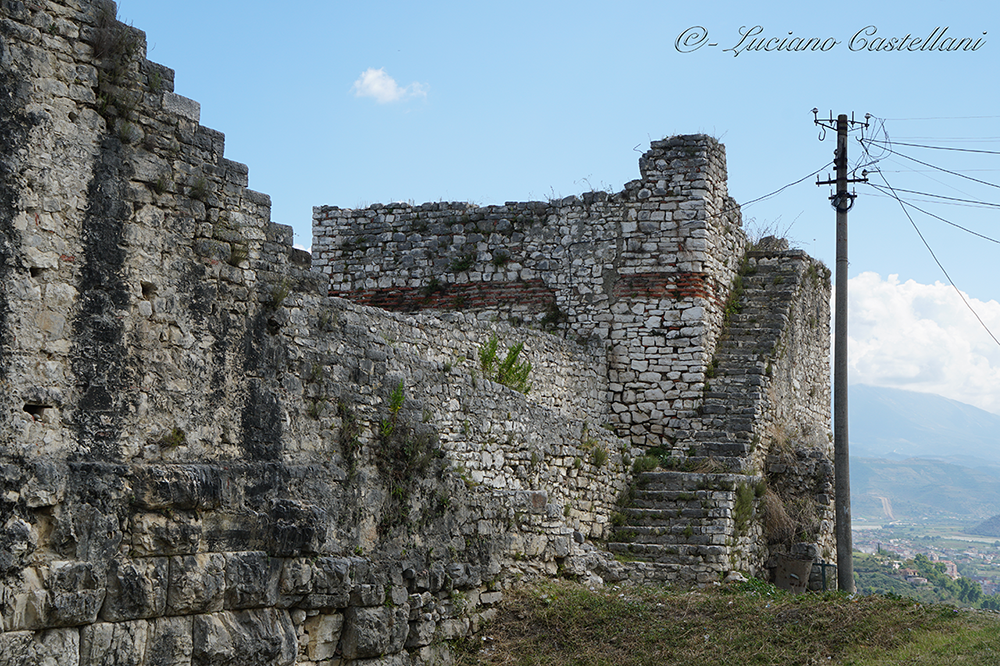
887	507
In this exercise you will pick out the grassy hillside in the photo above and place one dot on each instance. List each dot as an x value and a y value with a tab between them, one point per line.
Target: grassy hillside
562	623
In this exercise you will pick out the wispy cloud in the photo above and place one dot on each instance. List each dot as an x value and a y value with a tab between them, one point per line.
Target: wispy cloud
923	338
383	88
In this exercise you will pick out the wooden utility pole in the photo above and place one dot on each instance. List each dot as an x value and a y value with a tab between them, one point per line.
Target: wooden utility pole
842	201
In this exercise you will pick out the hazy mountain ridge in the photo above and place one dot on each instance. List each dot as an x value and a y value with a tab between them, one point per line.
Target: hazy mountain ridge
892	423
918	455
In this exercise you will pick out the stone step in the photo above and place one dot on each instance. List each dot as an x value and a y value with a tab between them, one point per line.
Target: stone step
691	535
667	517
673	480
675	500
682	554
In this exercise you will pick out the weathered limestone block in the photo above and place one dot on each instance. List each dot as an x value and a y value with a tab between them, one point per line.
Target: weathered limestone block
45	648
324	635
263	637
96	533
47	487
455	627
178	487
170	641
66	609
156	534
72	598
421	632
114	643
295	528
197	583
370	632
136	588
324	583
251	580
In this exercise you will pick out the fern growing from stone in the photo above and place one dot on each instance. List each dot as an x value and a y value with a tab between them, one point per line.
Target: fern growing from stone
511	371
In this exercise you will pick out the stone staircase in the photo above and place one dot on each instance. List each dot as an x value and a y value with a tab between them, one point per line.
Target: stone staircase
683	520
678	518
741	369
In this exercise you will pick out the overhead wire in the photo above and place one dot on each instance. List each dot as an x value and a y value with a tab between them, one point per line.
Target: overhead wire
902	205
959	150
933	166
784	187
987	204
892	195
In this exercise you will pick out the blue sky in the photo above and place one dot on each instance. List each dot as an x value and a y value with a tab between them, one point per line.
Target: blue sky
494	102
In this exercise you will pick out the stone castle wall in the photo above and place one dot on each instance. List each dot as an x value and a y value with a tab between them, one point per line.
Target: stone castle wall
647	271
200	458
206	458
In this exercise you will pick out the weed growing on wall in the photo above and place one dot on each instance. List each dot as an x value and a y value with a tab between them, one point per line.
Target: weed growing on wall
350	431
405	451
279	292
175	438
116	46
511	371
743	507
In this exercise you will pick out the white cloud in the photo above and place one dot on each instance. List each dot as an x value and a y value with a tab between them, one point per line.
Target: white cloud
923	338
379	85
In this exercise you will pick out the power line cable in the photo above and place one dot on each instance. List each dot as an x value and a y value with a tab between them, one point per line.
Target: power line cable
892	195
932	166
934	256
959	150
947	118
952	199
785	187
943	203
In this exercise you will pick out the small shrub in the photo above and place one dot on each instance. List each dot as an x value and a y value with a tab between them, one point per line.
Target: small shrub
314	409
432	287
511	371
160	185
155	81
176	438
199	189
279	292
238	253
396	399
743	507
778	525
599	456
553	317
646	463
463	263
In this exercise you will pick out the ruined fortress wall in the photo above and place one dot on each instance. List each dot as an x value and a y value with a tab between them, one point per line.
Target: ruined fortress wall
646	270
201	457
206	457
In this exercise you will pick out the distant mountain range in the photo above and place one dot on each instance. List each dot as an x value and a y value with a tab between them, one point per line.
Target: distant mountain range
919	455
895	424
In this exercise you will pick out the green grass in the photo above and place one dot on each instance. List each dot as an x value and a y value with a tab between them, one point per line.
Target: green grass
562	623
